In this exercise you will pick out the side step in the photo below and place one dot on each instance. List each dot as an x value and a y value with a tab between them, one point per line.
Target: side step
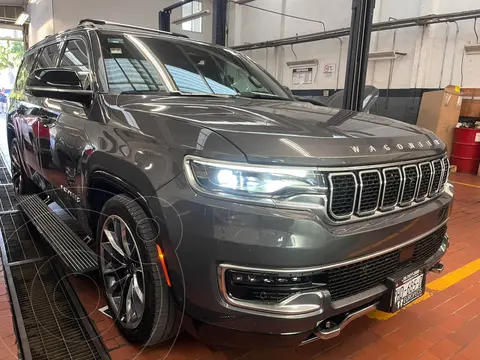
69	247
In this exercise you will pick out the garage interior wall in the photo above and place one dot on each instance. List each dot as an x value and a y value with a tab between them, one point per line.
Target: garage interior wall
401	82
419	70
51	16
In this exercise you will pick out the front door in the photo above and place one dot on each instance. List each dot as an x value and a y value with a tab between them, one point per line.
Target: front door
61	168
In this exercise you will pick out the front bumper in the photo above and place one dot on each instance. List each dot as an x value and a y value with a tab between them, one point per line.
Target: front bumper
205	235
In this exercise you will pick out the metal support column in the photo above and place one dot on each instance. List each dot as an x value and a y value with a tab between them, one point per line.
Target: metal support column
219	22
357	62
164	15
164	20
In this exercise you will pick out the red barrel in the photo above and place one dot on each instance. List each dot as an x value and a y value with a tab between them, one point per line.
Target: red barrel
466	150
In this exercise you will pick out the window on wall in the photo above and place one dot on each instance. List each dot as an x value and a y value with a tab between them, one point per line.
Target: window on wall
189	9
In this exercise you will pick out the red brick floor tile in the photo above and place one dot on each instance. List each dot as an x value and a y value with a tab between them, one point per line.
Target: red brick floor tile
428	356
111	344
436	333
378	350
471	351
470	310
121	340
445	349
416	347
453	322
466	333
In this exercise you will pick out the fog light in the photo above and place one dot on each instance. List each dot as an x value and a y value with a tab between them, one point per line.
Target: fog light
267	288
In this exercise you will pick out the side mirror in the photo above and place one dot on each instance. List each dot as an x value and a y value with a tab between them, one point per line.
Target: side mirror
57	83
287	89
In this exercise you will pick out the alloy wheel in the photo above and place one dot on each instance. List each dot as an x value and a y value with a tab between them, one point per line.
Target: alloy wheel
122	271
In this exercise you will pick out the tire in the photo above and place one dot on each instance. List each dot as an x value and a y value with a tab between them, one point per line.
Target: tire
160	320
21	183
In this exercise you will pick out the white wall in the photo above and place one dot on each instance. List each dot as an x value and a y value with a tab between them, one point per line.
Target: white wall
419	69
67	13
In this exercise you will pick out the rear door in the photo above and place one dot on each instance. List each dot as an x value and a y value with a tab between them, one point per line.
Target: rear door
67	138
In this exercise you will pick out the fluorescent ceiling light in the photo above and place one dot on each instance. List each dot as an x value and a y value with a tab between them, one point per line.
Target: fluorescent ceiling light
301	63
385	55
472	49
22	18
241	2
33	1
191	17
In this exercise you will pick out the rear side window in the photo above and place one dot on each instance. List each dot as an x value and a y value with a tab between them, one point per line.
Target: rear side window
75	57
49	56
24	71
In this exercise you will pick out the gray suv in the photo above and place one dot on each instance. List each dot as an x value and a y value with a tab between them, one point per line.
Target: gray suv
215	199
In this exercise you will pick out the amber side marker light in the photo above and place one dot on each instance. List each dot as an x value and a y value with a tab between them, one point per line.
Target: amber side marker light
164	267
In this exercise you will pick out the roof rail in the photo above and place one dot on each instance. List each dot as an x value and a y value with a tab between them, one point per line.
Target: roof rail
111	23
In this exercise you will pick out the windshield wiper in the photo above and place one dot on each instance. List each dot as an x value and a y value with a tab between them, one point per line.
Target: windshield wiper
223	96
261	95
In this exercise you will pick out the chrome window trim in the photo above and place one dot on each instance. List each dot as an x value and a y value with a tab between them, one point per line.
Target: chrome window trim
420	180
383	208
361	190
330	195
408	202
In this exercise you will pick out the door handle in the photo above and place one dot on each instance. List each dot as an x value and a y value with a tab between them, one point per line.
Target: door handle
47	121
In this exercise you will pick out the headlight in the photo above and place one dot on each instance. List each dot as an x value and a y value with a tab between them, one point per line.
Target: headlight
269	185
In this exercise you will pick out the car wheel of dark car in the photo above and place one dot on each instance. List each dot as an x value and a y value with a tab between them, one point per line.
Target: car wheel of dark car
21	183
135	286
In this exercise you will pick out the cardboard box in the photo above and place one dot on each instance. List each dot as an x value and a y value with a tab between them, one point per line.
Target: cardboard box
439	112
471	103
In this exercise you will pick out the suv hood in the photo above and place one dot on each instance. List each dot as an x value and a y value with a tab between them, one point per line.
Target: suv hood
283	132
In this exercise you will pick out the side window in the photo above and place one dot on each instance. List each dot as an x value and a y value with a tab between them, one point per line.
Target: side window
49	56
75	57
24	71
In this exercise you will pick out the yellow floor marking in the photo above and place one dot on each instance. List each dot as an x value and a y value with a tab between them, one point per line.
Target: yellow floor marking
380	315
465	184
439	284
455	276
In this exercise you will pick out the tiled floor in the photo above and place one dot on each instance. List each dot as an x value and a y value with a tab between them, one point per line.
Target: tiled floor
445	325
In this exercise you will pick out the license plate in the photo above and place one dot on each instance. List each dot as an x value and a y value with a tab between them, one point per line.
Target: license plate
407	289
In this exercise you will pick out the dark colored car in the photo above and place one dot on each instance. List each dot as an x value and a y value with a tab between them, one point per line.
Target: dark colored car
217	199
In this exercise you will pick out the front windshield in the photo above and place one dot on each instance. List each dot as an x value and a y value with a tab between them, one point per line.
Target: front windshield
155	63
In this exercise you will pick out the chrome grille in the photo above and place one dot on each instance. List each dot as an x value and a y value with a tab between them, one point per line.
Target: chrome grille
446	171
343	191
370	183
437	176
392	179
425	180
363	193
410	181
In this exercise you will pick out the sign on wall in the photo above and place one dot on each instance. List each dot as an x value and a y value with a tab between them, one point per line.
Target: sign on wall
302	76
328	70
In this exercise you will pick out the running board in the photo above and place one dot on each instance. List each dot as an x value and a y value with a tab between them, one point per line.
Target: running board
76	255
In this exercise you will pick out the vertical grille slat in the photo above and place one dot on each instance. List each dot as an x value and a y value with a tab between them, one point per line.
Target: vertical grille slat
437	173
409	186
370	183
371	191
425	180
392	178
343	192
446	171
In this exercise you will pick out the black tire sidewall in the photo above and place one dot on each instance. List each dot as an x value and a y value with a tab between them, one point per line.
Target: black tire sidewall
149	321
